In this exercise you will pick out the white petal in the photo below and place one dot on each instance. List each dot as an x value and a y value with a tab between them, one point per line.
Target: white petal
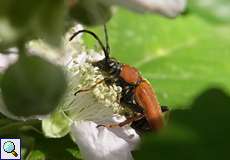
100	143
63	54
6	60
169	8
125	132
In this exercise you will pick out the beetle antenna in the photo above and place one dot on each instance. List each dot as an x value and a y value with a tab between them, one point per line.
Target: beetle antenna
107	40
95	36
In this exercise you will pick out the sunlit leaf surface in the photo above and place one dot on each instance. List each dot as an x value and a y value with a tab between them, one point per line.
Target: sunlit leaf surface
179	57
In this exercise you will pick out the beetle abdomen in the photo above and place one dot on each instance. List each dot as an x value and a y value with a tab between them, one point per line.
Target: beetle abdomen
146	98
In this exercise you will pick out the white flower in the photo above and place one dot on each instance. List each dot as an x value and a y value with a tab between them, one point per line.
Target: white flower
84	111
169	8
99	105
102	143
63	54
6	60
79	115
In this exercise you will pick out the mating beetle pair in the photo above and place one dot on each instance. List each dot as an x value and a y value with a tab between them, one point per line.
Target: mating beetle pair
137	93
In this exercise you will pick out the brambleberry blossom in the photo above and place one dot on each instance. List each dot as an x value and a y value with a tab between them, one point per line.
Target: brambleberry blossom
79	115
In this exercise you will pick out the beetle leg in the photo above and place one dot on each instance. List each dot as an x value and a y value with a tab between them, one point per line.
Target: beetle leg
141	126
118	125
90	88
108	81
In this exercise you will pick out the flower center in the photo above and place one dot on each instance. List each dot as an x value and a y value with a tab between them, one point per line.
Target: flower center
89	97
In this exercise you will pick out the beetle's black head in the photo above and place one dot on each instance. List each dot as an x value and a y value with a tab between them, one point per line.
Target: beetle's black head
110	66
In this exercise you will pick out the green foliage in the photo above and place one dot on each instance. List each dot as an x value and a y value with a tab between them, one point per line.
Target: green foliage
32	86
35	146
75	153
213	10
91	12
31	19
180	57
54	149
36	155
199	133
51	21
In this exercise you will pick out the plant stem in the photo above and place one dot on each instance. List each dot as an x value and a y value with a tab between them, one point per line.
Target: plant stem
21	48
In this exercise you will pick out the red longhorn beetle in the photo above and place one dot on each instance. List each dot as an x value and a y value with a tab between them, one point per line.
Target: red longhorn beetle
137	93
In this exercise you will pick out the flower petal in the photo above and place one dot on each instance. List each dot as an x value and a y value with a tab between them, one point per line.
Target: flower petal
101	143
63	54
125	132
169	8
6	60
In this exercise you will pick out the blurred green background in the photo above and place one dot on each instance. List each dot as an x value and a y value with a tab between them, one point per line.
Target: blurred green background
181	57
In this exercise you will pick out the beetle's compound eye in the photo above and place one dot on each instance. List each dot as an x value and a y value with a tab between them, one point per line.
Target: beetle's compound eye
112	63
114	66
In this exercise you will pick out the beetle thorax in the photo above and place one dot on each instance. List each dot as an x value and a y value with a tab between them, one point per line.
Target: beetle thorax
130	74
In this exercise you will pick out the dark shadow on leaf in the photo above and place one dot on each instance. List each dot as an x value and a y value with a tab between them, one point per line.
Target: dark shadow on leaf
199	133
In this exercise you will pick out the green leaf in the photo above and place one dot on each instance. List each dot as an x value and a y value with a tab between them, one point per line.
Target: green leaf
37	147
32	86
55	149
36	155
31	19
75	153
199	133
91	12
212	10
1	77
50	21
21	14
56	126
180	57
